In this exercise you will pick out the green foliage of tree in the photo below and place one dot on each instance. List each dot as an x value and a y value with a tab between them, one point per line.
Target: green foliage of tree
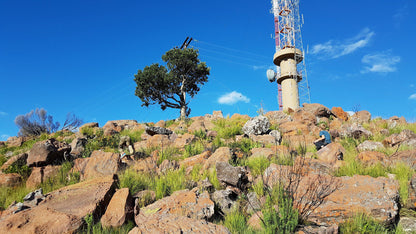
169	86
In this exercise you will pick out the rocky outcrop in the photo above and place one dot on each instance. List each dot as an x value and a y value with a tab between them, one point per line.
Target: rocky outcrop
222	154
407	157
226	200
116	126
278	117
361	117
258	125
331	153
354	130
78	146
119	210
339	113
371	157
377	197
15	141
47	152
370	146
192	204
403	137
183	140
160	223
63	210
101	164
316	109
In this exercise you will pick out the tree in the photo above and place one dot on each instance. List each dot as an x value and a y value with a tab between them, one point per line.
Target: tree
38	121
168	86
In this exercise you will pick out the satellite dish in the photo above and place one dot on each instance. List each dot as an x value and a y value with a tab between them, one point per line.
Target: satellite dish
271	75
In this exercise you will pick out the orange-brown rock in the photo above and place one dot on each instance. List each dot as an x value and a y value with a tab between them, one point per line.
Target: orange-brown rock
304	117
316	109
335	124
280	149
361	116
160	123
331	153
10	180
14	159
197	125
371	157
194	160
115	126
340	113
148	164
377	197
240	117
407	157
264	139
183	140
101	164
63	210
293	128
402	137
162	141
119	210
192	204
411	202
297	140
278	117
171	223
222	154
217	115
255	221
41	174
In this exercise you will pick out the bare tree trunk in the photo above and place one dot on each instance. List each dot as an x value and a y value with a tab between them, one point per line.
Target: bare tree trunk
183	112
183	100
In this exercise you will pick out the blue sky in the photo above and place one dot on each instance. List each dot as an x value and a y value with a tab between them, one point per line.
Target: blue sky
81	56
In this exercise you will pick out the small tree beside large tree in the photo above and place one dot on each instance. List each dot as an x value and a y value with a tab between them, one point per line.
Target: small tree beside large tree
169	86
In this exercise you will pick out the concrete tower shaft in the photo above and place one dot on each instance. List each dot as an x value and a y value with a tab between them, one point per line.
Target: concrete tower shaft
287	59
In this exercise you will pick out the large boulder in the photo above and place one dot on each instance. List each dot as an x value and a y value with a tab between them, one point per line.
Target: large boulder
278	117
173	223
41	174
183	140
229	175
192	204
101	164
222	154
116	126
331	153
158	140
371	157
361	117
293	128
198	125
258	125
194	160
15	141
47	152
377	197
317	109
304	117
119	210
354	130
339	113
157	131
407	157
63	210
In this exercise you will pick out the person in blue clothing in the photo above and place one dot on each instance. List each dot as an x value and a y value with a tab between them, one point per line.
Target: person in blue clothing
324	139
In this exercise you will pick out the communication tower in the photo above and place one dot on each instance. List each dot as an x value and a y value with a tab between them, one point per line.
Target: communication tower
289	56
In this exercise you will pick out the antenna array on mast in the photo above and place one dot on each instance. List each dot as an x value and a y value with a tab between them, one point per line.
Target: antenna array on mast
288	34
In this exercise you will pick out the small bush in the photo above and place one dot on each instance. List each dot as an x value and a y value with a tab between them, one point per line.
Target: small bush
361	223
172	181
135	135
227	128
169	153
245	145
193	149
258	188
135	181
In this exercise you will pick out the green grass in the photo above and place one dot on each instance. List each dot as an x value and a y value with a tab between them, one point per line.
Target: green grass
258	165
96	228
11	194
62	179
135	135
135	181
362	223
194	148
101	142
236	223
355	167
227	128
169	153
403	174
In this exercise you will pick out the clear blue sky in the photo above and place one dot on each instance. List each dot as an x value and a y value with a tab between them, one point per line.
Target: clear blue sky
81	56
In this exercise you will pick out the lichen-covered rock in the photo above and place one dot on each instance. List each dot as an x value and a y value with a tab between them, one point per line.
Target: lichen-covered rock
157	131
278	117
229	175
331	153
361	117
194	160
371	157
257	126
78	146
354	130
222	154
293	128
226	200
377	197
407	157
395	139
183	140
370	146
304	117
339	113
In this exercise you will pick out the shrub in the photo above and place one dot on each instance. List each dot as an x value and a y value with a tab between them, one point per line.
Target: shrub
135	181
135	135
101	142
169	153
227	128
193	149
361	223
